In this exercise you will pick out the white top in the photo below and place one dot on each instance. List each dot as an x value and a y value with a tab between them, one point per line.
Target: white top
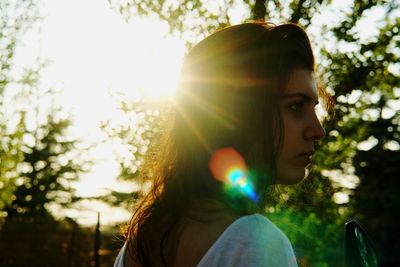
249	241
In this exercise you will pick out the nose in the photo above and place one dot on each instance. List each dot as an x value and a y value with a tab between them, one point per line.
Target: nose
314	131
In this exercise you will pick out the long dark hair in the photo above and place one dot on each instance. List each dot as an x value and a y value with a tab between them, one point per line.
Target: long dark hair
228	97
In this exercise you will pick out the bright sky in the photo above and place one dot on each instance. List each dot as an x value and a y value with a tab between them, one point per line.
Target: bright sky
94	53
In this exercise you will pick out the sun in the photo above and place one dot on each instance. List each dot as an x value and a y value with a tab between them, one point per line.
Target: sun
157	61
161	70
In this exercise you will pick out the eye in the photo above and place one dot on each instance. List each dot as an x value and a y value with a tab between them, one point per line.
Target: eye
296	107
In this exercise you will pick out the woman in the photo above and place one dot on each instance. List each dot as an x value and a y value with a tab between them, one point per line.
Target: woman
244	120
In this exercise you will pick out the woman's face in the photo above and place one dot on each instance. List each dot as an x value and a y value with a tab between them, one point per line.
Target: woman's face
301	127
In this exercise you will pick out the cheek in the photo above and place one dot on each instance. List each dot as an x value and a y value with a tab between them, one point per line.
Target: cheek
289	129
288	133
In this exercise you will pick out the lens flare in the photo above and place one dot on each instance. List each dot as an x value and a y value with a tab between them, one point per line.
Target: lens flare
228	166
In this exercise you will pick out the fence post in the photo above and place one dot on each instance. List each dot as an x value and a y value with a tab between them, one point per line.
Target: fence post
97	242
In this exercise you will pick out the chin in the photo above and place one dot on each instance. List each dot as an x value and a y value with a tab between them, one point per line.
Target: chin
291	176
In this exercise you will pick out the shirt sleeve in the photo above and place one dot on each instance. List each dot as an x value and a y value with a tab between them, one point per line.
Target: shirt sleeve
119	260
268	244
255	241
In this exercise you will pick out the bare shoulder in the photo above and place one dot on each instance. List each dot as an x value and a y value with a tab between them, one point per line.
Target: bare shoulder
197	237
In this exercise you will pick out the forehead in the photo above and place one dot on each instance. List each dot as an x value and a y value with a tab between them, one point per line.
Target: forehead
302	81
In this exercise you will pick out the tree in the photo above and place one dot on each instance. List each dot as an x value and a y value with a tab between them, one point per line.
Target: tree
143	120
16	17
50	161
192	20
36	163
370	121
47	171
10	155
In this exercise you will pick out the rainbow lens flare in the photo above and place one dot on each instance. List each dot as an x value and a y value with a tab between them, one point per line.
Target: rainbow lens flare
228	166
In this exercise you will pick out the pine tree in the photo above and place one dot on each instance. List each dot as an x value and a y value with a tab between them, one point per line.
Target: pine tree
47	171
16	17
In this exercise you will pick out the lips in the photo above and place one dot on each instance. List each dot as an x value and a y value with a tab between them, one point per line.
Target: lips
305	158
307	153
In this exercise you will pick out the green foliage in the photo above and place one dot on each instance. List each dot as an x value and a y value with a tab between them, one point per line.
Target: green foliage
142	121
317	241
192	20
182	16
346	28
15	18
10	155
140	124
38	161
36	165
365	81
42	161
303	10
47	170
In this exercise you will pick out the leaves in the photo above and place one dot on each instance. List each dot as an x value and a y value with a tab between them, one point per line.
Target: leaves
15	18
46	170
38	161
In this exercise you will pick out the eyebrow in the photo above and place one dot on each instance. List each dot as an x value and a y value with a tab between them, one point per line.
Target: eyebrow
305	97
